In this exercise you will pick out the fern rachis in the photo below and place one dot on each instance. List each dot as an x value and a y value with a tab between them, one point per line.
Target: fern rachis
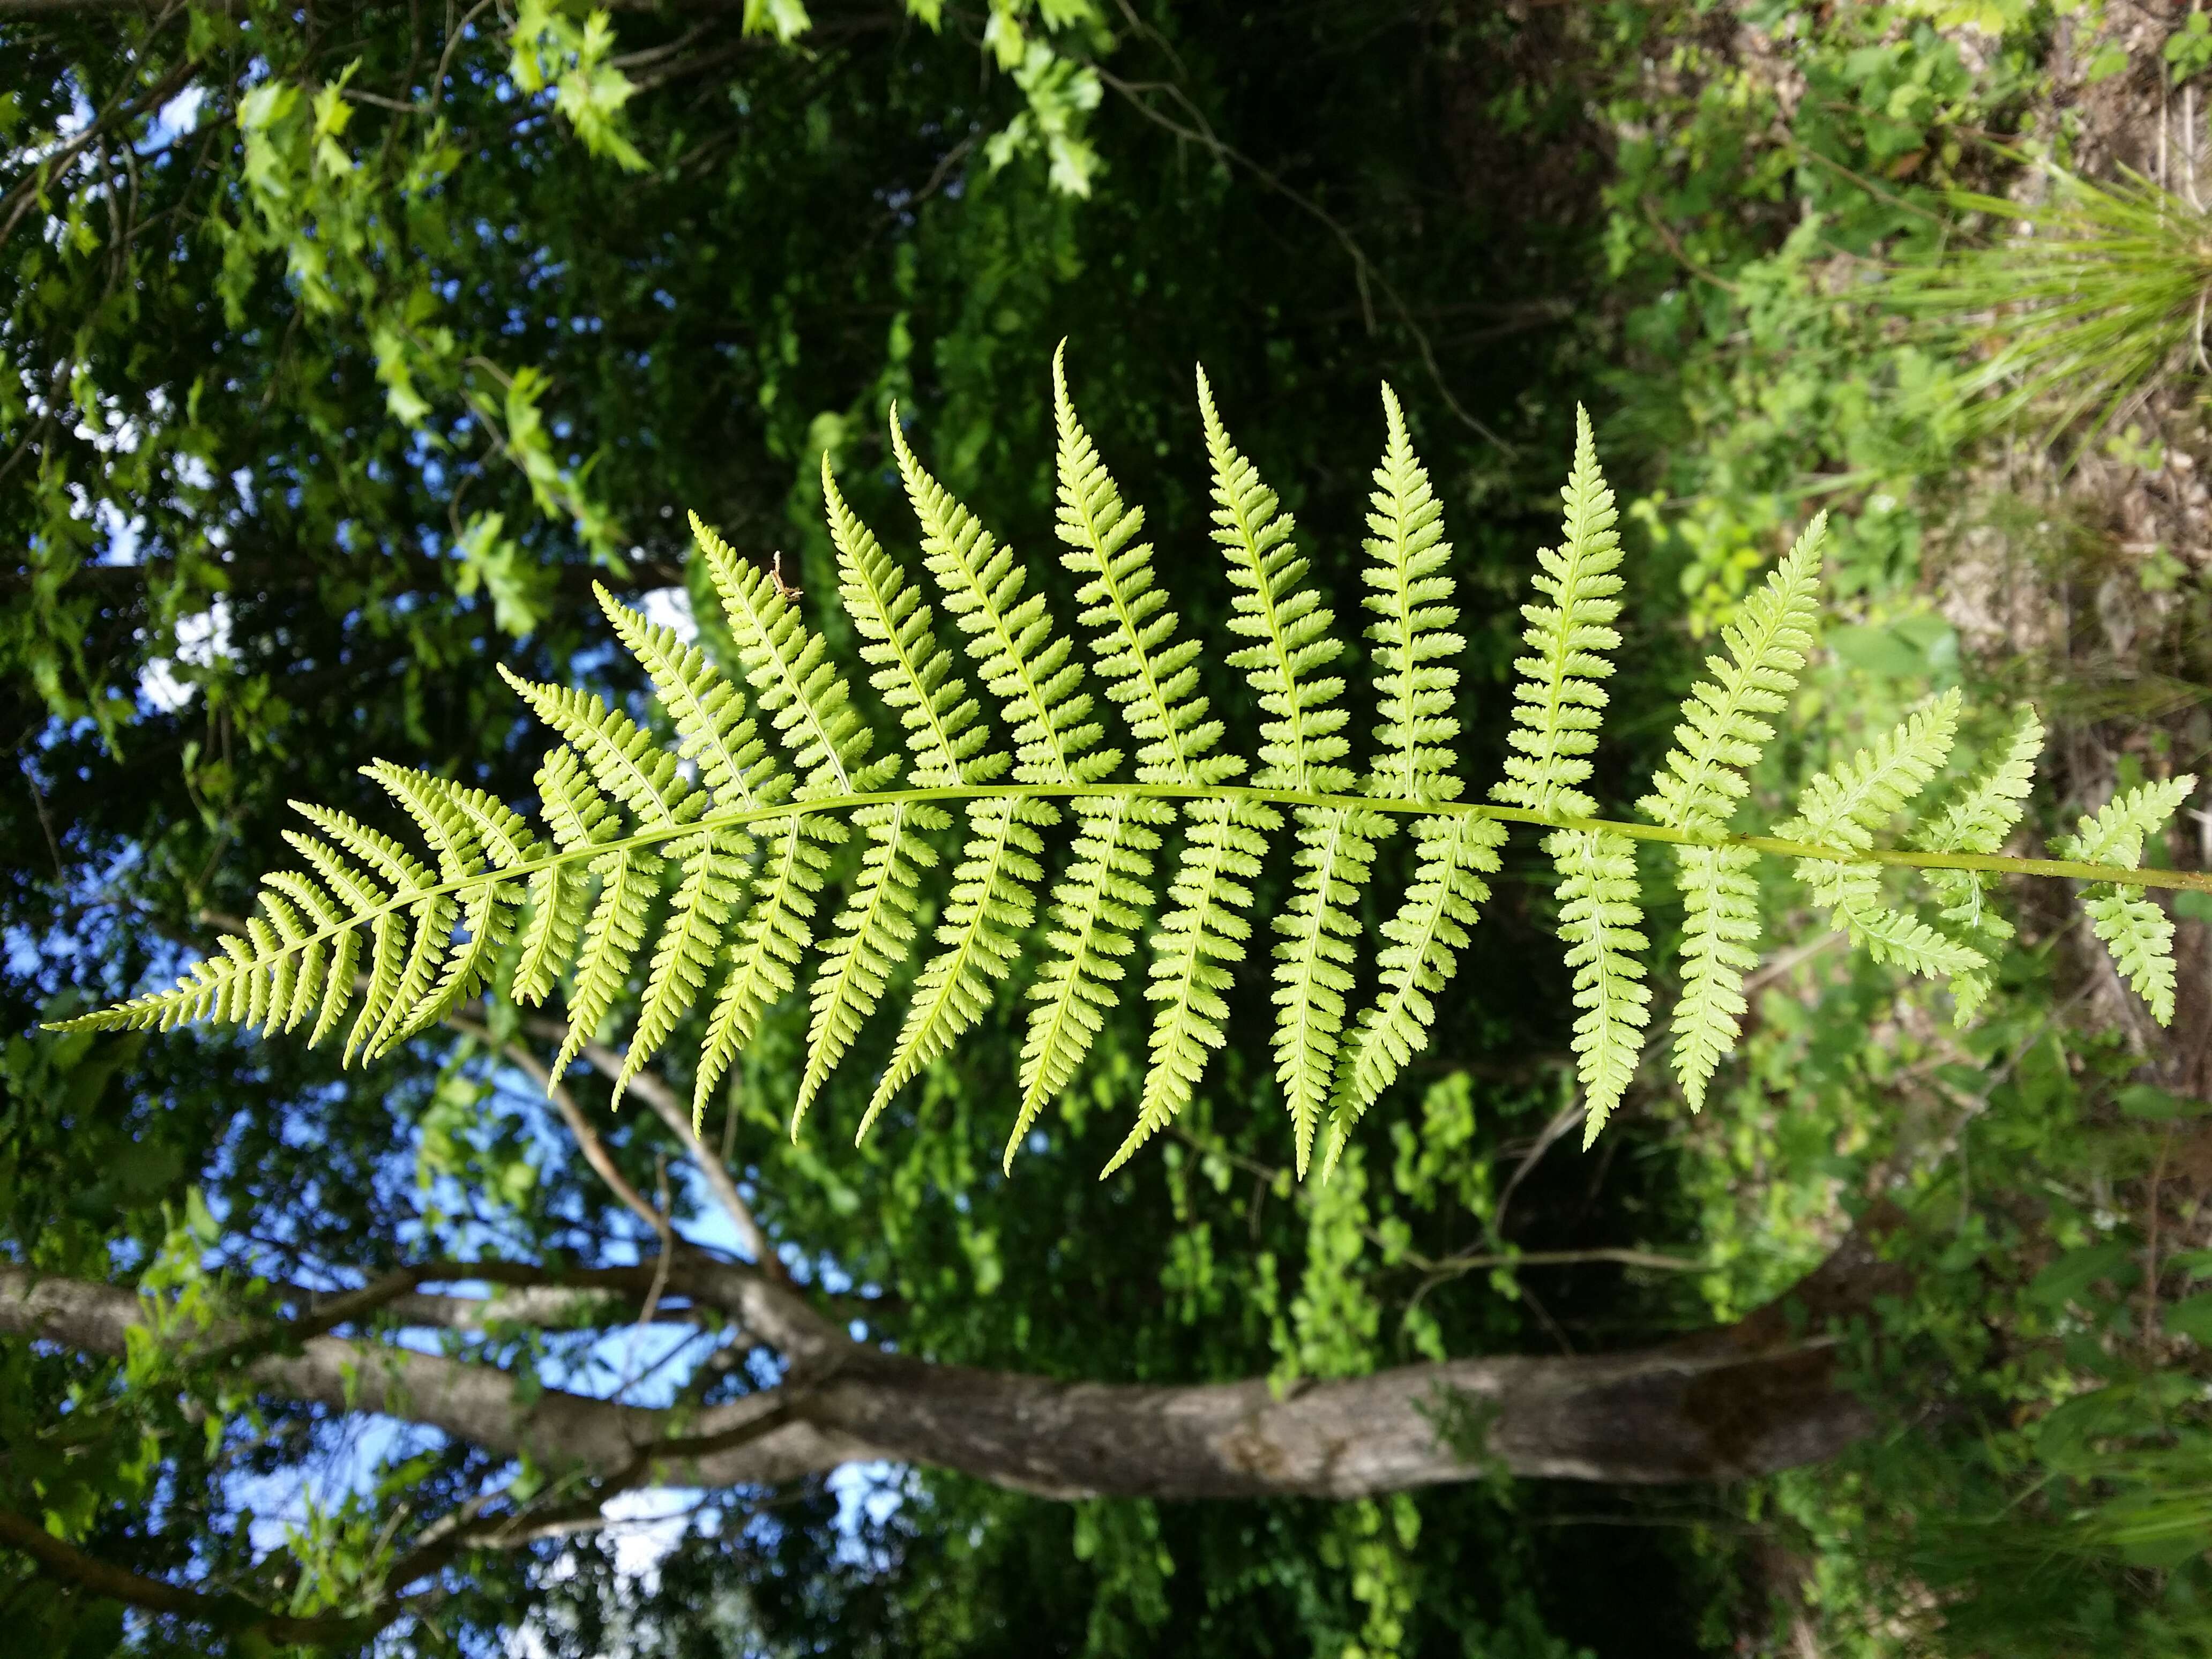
367	926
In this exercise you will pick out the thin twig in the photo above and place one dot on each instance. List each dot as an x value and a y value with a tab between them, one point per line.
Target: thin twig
662	1101
1365	270
588	1139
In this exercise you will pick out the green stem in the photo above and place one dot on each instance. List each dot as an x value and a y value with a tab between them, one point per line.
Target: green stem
2199	881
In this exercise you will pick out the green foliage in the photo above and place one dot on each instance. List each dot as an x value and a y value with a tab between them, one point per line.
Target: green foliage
2100	288
2138	934
1699	786
750	842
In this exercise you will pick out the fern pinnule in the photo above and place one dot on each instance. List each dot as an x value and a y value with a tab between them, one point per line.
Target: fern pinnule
764	953
713	882
1407	565
628	878
787	665
1097	909
1150	674
403	957
913	674
1425	937
1558	702
1199	939
1302	748
1408	561
1027	664
1152	680
989	906
1977	821
2133	926
871	935
560	893
1846	808
1025	661
1599	920
1697	788
467	829
1558	699
714	729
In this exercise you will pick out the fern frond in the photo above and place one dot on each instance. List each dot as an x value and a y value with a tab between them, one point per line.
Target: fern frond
1697	788
2134	928
1845	808
1599	918
1978	821
771	767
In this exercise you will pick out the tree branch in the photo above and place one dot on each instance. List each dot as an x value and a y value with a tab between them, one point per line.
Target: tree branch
651	1088
70	1564
1744	1400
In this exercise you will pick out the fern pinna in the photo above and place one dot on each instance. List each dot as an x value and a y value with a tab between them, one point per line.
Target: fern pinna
693	883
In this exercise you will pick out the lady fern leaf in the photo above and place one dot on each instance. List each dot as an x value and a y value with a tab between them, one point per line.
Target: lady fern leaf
676	885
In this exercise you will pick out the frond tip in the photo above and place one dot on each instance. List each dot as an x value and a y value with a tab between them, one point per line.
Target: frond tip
683	881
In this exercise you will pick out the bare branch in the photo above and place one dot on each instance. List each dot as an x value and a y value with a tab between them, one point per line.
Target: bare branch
1757	1396
651	1088
720	1445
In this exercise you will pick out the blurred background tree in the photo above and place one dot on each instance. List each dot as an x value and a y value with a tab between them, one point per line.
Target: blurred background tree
348	346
